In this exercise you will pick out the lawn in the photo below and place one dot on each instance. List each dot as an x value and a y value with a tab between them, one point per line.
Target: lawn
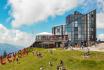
73	60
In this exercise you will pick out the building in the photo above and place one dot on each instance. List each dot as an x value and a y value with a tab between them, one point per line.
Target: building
81	27
59	30
44	40
60	35
78	28
50	40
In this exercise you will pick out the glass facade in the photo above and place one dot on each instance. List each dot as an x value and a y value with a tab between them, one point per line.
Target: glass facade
43	37
81	27
59	30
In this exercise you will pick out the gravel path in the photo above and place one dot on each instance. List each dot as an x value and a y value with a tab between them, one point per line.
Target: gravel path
98	47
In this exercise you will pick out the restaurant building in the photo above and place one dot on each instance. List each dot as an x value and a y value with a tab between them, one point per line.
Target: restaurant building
50	40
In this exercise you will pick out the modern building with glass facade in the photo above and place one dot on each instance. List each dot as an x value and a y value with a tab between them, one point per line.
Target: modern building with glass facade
78	28
81	27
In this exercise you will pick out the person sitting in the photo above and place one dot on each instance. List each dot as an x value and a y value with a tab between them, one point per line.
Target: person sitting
61	63
58	67
50	64
41	68
33	53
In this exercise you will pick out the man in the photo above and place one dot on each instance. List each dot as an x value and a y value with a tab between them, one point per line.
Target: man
82	46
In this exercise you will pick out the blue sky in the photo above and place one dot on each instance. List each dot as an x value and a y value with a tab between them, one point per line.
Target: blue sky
49	23
10	10
4	13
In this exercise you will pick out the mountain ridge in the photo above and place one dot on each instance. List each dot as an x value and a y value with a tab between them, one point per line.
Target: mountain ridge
9	48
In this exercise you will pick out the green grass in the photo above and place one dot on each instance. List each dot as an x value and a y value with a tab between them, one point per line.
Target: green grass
73	60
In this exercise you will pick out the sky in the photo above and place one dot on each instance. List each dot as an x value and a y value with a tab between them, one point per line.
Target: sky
21	20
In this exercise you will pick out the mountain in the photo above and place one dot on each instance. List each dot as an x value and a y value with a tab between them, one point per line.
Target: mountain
9	48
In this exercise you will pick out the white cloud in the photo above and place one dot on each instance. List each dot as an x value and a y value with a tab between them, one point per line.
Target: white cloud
100	14
100	37
100	5
26	12
15	37
100	20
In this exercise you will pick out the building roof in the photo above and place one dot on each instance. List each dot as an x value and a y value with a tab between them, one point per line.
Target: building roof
59	25
44	33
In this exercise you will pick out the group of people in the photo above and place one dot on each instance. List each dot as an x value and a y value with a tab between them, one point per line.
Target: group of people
69	44
37	53
60	66
83	45
11	57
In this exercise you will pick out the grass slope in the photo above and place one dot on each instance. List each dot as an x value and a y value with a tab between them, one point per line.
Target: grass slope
73	60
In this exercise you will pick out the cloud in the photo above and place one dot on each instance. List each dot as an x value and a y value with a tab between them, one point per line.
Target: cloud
87	5
100	5
15	37
100	20
100	37
92	4
26	12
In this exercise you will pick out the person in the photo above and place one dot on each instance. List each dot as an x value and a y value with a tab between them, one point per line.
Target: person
61	63
82	45
50	64
14	56
85	49
63	68
65	45
41	68
17	60
86	52
33	52
58	67
39	54
85	44
71	47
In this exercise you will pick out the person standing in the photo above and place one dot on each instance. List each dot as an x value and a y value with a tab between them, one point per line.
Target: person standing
82	45
61	63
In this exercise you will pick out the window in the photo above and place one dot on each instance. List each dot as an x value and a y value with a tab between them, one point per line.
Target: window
92	15
58	29
76	24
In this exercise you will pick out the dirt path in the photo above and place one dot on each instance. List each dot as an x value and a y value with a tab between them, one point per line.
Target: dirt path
98	47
